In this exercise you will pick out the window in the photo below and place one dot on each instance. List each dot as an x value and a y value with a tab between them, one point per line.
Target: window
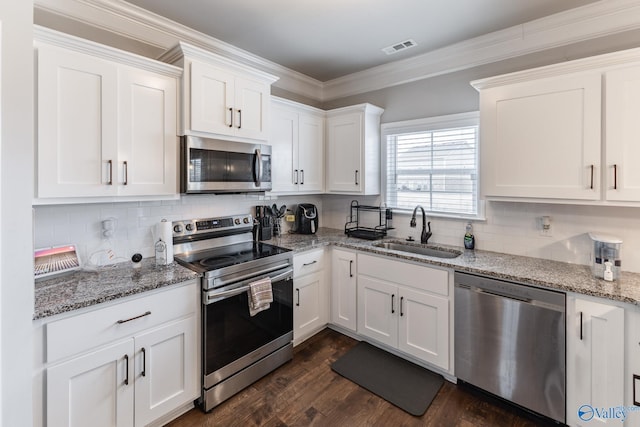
433	163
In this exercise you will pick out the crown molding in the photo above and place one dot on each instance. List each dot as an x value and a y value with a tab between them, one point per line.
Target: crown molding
603	18
56	38
130	21
588	22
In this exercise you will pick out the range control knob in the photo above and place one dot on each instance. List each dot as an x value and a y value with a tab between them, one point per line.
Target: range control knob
189	227
236	221
245	220
177	228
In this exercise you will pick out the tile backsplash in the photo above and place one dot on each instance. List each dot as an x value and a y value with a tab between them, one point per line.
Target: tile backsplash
510	227
82	224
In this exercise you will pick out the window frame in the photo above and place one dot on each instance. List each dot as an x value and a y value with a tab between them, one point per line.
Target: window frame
430	124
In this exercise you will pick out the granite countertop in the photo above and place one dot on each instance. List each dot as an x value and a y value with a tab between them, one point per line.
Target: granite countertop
85	288
535	271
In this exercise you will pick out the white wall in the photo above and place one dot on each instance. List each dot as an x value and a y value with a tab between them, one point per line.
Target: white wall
82	224
16	178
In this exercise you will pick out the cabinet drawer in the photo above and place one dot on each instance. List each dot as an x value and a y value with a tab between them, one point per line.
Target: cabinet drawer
308	262
419	277
88	330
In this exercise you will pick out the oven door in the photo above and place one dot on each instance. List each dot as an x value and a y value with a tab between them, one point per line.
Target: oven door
217	166
233	339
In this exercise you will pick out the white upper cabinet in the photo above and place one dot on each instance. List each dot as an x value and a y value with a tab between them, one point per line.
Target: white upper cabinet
297	139
353	150
563	133
106	122
221	98
541	138
622	175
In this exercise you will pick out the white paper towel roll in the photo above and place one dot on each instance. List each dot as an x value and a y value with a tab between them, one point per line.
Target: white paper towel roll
164	232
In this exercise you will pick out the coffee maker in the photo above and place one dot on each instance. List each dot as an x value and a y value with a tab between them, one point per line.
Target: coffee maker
306	218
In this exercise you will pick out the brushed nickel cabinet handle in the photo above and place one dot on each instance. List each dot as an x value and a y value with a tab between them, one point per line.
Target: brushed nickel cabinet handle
357	178
296	180
350	268
134	318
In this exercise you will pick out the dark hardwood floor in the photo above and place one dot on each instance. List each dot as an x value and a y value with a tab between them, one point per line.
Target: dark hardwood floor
307	392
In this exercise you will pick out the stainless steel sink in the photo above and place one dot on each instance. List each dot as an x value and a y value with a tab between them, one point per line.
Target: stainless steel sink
419	249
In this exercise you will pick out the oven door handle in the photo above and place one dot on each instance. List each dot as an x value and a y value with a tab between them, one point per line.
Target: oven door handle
211	296
221	283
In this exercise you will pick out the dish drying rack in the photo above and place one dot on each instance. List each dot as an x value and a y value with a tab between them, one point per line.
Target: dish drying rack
355	228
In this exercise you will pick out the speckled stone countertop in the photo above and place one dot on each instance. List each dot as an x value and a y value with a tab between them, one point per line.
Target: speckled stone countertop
86	288
535	271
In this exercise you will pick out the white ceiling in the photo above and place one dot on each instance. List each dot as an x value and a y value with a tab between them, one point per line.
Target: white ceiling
326	39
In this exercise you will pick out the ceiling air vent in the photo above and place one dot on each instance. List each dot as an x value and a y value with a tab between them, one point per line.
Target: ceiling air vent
399	46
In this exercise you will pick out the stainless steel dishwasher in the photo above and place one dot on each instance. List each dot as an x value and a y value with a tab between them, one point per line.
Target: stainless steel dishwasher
510	341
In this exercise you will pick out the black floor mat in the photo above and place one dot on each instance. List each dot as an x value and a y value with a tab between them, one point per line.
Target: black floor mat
404	384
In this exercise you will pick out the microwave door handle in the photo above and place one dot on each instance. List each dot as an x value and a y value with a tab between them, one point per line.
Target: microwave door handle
258	168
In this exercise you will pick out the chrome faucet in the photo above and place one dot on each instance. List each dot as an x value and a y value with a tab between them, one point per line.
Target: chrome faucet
424	237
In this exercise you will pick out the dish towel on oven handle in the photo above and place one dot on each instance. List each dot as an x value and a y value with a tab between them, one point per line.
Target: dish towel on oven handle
260	295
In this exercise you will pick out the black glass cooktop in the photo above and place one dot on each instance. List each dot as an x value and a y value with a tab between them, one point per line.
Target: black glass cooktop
225	256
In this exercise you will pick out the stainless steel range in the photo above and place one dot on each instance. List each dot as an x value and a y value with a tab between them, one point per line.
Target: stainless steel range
237	348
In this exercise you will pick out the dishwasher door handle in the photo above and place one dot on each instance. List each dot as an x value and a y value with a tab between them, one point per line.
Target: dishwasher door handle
501	295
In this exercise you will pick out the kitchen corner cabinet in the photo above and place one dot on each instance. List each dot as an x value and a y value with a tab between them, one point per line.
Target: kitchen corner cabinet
406	307
563	133
310	305
221	98
127	364
344	289
353	150
595	360
297	140
106	121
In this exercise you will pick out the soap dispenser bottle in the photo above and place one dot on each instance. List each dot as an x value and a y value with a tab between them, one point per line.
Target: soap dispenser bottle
469	238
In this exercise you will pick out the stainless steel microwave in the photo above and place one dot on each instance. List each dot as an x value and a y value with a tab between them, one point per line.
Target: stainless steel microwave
218	166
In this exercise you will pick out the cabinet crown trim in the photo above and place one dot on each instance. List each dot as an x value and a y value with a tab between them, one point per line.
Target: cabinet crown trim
51	37
599	63
366	108
185	50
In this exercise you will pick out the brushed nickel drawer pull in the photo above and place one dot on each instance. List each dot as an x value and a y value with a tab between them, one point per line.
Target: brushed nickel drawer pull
134	318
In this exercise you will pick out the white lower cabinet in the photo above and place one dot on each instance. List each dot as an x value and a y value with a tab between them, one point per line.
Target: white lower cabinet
595	363
133	380
405	306
343	289
310	295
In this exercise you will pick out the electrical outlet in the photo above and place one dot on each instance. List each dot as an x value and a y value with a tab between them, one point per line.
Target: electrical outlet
545	226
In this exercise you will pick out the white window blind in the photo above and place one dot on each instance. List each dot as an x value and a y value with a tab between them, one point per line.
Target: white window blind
433	163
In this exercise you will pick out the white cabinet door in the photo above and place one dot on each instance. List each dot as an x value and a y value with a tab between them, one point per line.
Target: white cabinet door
311	153
344	152
147	143
424	326
284	150
90	390
212	99
77	126
377	306
308	305
343	289
541	138
166	371
622	174
595	361
252	100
